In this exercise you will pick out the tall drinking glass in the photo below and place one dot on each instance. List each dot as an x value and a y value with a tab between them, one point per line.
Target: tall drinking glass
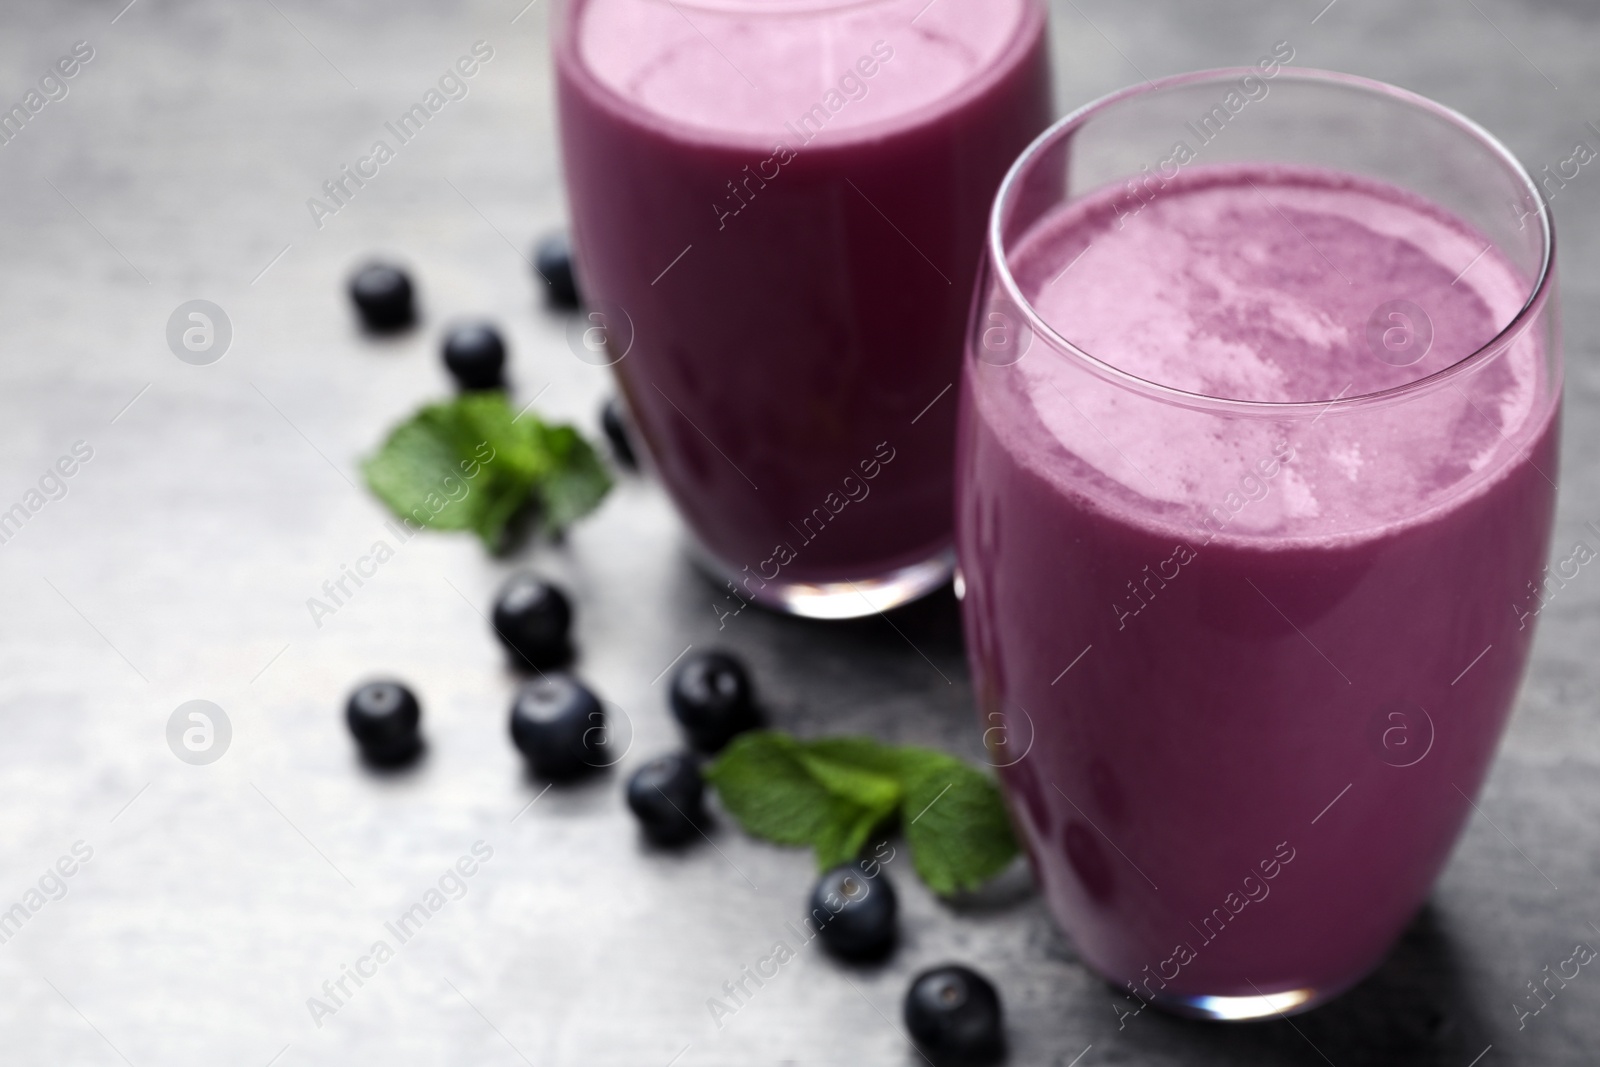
1255	484
778	210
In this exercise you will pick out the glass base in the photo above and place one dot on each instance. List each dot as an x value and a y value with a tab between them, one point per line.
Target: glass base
839	600
1239	1009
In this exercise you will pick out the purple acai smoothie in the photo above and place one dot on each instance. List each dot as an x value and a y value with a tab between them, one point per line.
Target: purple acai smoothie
782	205
1263	663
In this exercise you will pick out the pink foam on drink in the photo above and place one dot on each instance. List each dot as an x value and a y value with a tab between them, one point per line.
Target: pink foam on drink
1259	284
675	59
1260	663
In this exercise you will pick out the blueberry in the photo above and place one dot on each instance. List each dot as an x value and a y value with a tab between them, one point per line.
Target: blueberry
712	699
532	618
553	262
665	794
953	1013
855	912
559	726
615	424
475	355
382	294
384	717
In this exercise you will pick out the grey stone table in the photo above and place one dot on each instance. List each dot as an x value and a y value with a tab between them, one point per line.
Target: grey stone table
207	903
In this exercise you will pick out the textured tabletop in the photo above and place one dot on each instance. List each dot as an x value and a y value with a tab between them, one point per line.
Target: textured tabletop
207	503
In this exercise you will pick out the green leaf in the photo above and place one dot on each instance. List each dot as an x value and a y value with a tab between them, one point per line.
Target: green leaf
472	464
861	752
955	821
852	769
861	782
576	484
781	792
763	783
842	837
834	792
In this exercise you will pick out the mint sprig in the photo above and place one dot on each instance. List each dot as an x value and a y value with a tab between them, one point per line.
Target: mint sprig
472	464
832	793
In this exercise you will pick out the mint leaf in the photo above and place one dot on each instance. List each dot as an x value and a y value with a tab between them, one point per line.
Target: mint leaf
850	768
577	482
834	792
955	822
841	839
862	752
858	781
472	464
422	472
763	783
781	792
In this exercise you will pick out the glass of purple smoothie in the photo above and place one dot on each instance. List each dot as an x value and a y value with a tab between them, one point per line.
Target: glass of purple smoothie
1255	482
778	210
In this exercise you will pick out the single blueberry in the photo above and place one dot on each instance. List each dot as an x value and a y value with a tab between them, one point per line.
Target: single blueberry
558	724
615	424
475	356
384	718
382	294
712	699
552	260
953	1013
666	795
532	618
855	912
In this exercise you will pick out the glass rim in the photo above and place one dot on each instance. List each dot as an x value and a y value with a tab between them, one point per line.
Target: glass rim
1064	127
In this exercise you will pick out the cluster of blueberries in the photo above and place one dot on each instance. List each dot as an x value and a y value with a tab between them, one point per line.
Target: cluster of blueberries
558	724
475	352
